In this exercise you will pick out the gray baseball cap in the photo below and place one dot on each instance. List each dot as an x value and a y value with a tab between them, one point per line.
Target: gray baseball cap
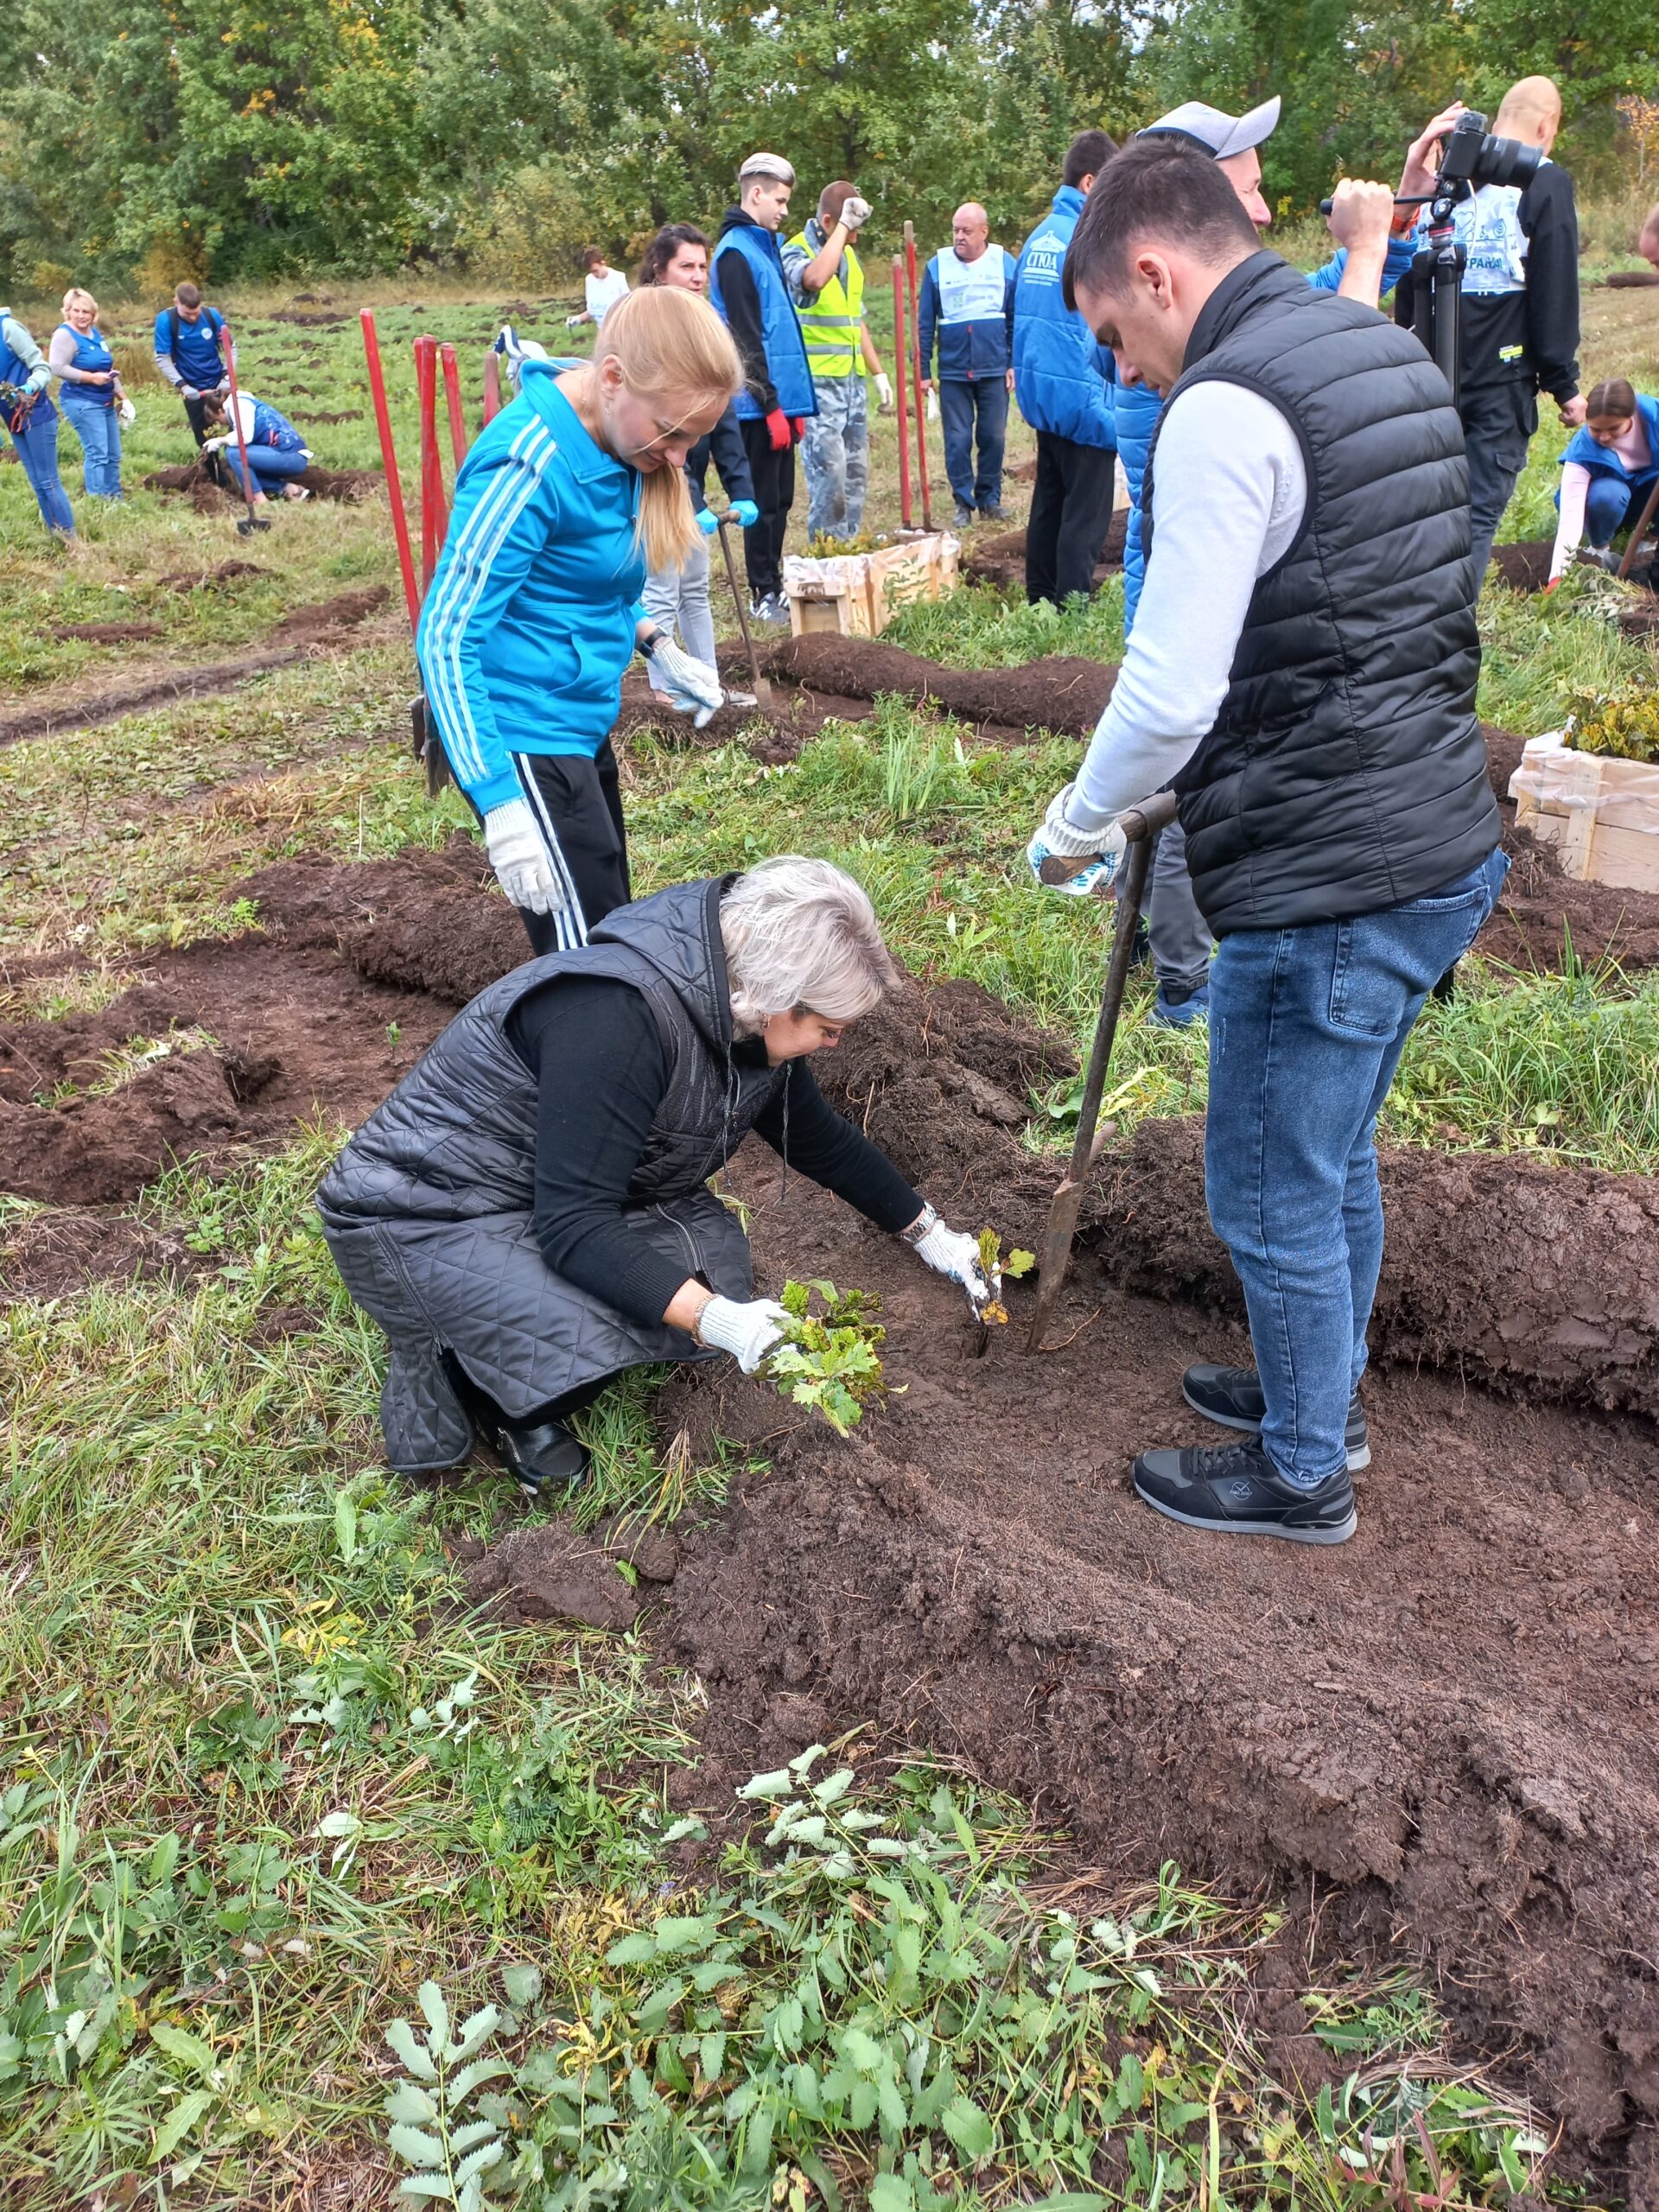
772	165
1217	133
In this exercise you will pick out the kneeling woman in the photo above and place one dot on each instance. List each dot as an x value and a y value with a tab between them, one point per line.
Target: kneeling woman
1608	470
528	1214
276	452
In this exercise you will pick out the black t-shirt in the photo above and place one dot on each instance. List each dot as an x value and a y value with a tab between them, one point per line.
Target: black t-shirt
600	1038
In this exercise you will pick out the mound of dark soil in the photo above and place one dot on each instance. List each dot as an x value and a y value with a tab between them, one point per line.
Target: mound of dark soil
59	1251
324	616
1524	563
1000	561
204	580
1022	472
1443	1732
1063	693
1631	280
351	414
796	717
192	481
550	1572
306	321
1555	1297
107	633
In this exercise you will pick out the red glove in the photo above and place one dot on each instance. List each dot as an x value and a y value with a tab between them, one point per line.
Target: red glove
777	429
797	427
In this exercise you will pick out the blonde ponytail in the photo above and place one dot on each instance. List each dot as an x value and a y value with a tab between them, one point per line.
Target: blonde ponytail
677	355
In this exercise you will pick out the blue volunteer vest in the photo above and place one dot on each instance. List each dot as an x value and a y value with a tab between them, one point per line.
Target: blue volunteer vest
17	372
780	333
93	355
1600	460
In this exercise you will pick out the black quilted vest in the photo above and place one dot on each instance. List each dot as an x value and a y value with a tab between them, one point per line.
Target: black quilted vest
429	1209
1345	771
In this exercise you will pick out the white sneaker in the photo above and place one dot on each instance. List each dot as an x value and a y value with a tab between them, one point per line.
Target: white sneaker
739	698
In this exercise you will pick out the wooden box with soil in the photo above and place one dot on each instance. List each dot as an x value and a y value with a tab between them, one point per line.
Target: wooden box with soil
1598	817
856	595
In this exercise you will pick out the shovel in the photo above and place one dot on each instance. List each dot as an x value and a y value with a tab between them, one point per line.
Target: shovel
762	683
1140	826
251	521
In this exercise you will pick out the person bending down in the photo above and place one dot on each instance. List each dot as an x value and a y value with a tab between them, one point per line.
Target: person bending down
529	1214
562	505
277	453
1608	470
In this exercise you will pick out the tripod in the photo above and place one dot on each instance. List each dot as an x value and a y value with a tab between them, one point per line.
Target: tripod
1432	306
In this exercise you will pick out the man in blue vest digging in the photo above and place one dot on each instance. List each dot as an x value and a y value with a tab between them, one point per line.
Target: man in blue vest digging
1302	672
748	291
966	295
194	355
826	282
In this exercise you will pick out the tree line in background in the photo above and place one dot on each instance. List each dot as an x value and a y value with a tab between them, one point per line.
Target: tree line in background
233	140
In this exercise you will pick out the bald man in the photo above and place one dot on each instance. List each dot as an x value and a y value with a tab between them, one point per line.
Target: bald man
1520	301
965	311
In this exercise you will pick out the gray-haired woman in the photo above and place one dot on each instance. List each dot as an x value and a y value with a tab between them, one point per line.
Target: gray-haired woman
528	1214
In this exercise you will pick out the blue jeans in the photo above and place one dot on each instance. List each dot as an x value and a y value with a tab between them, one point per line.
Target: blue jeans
37	448
99	427
1307	1027
270	469
836	454
959	401
1611	503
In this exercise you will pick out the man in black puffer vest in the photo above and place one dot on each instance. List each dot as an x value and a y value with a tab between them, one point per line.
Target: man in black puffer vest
1302	669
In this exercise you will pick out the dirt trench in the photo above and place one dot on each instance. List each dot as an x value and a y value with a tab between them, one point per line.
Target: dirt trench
1000	561
1443	1732
1065	692
192	480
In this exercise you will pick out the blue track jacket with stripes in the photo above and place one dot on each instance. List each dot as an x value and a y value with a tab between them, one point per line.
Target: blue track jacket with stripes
528	625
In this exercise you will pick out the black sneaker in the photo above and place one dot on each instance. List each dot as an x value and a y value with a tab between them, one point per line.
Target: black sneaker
1231	1398
1236	1488
963	518
993	514
544	1457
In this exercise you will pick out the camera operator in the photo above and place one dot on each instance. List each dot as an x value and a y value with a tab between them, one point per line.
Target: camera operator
1317	721
1520	302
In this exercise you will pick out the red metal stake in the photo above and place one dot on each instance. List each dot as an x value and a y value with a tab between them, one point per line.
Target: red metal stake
899	392
492	386
916	378
389	462
451	394
435	520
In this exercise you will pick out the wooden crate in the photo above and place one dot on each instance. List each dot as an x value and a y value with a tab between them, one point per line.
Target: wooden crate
855	594
1600	818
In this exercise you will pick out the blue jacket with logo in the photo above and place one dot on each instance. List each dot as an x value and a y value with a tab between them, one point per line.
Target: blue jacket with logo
968	352
785	366
1135	412
530	623
195	350
1060	373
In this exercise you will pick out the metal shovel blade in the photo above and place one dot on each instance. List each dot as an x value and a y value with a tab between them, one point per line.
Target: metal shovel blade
1140	826
762	683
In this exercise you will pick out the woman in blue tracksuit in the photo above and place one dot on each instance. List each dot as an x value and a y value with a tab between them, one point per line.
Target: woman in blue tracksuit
31	421
277	454
677	597
564	502
90	392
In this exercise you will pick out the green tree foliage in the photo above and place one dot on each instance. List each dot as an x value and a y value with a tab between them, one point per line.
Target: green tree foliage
221	137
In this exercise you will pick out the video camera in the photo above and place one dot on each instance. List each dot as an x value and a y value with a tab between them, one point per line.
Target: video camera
1431	301
1471	158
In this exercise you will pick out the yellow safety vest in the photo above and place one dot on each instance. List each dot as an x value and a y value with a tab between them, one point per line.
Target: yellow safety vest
830	325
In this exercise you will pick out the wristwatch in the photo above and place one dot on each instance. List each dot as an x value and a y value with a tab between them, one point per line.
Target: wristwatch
928	1218
696	1320
648	645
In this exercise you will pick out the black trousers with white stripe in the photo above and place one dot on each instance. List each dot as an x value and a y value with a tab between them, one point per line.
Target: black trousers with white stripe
577	804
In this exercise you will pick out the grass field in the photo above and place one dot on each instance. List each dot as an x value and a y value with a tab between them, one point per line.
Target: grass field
268	1786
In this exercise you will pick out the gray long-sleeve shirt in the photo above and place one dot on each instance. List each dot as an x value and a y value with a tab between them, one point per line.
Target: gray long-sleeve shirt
17	341
61	356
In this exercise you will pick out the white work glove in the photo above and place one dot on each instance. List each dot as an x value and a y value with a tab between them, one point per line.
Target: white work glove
1060	838
126	411
222	389
954	1253
571	321
690	686
747	1329
932	404
855	213
214	445
520	859
884	391
188	392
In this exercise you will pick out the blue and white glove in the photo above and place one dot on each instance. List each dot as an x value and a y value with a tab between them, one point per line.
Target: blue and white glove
516	351
745	513
689	686
1084	862
708	521
954	1253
